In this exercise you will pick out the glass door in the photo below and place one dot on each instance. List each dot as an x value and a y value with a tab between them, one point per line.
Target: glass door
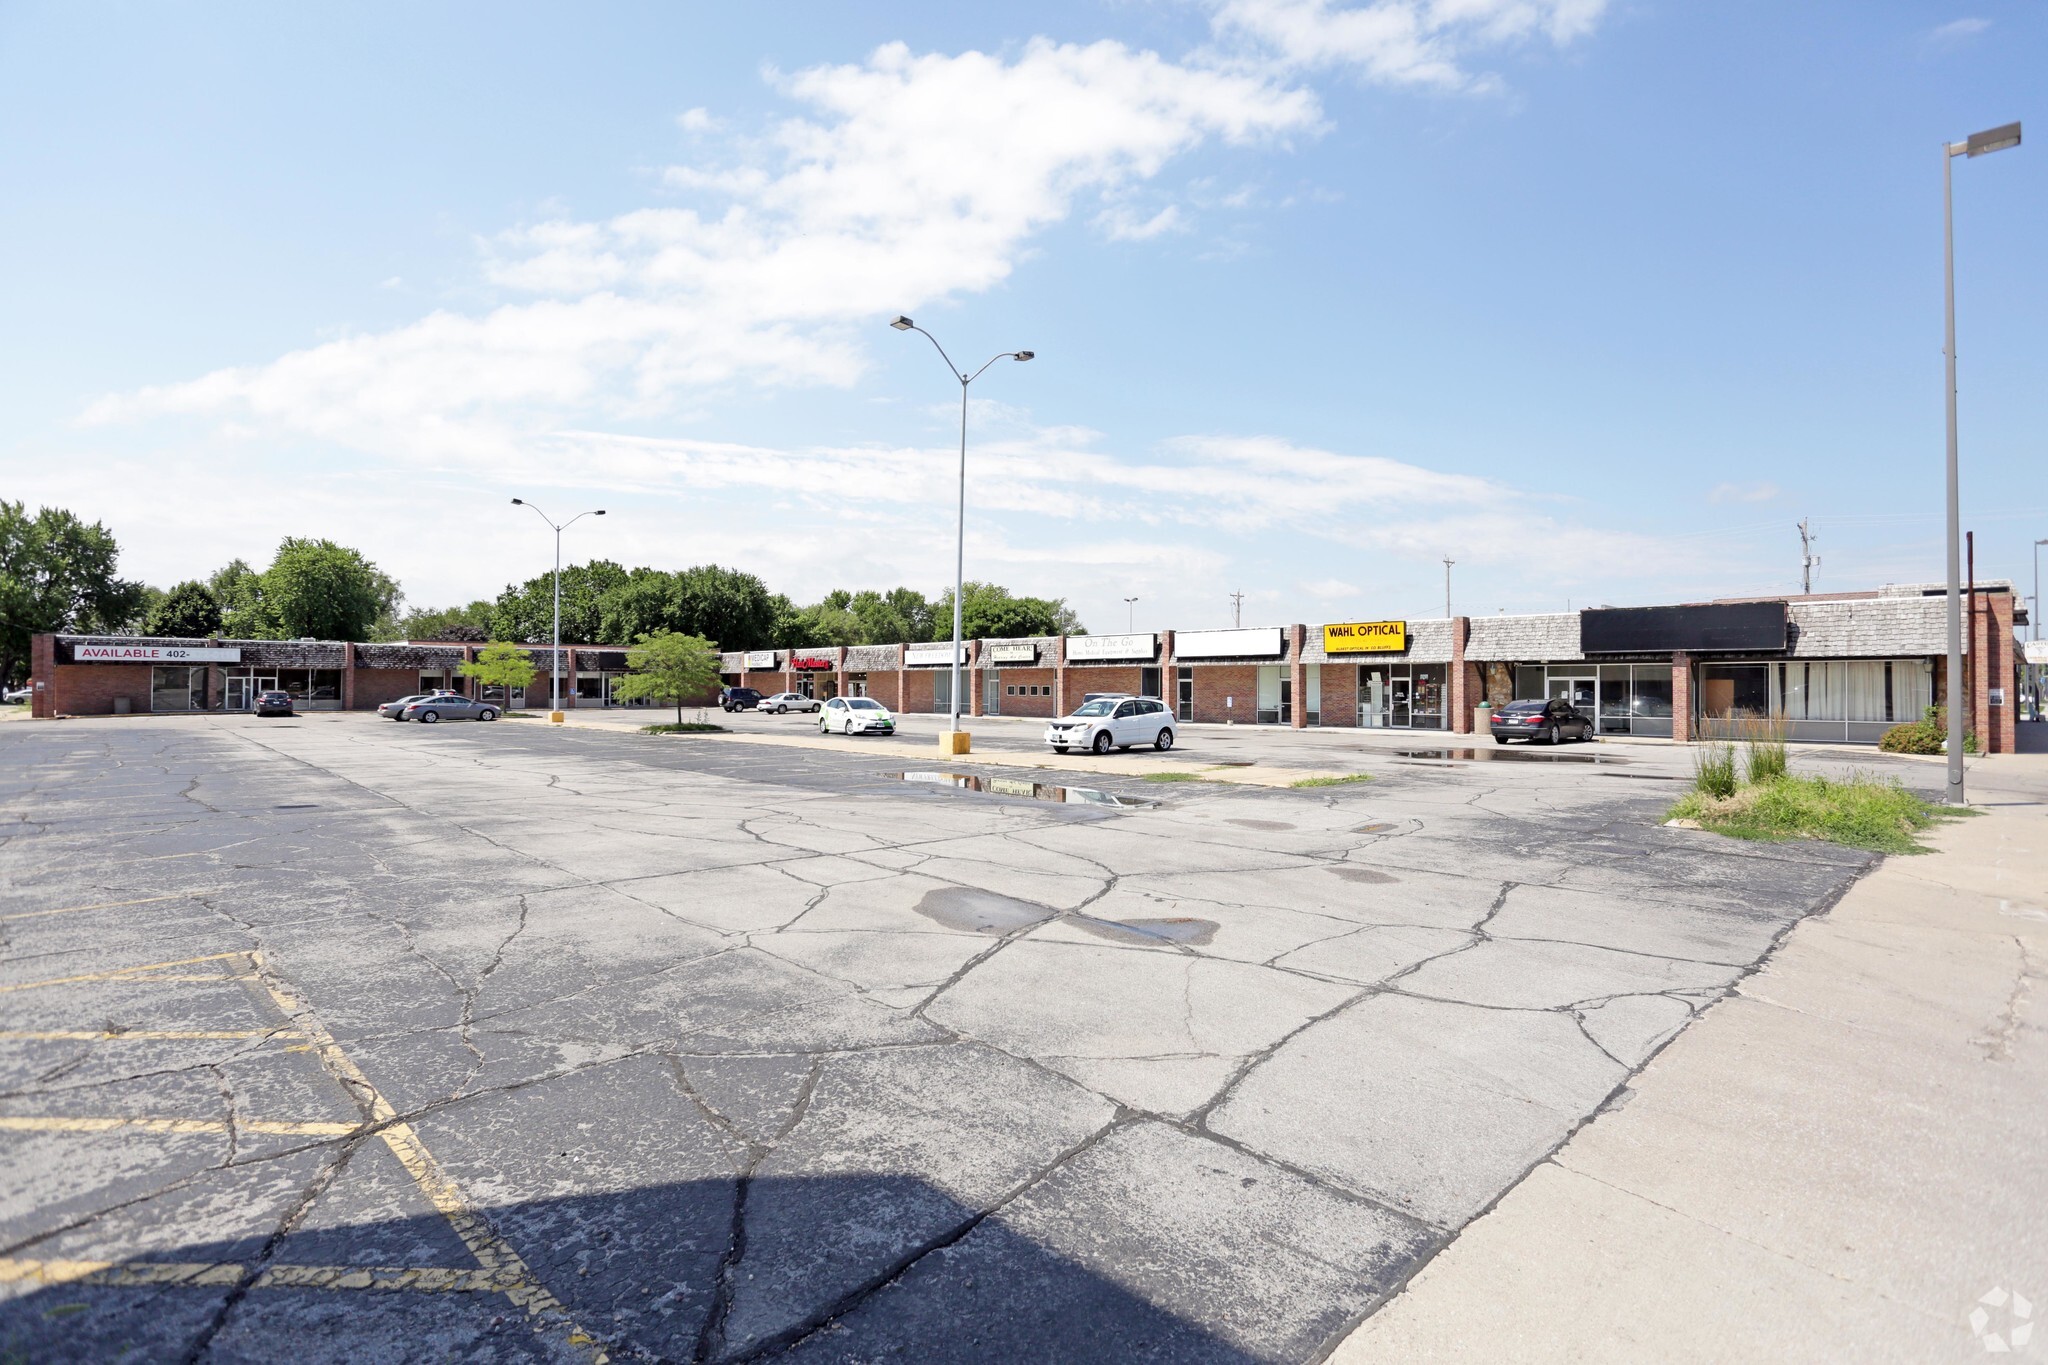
241	693
1578	691
1399	702
992	693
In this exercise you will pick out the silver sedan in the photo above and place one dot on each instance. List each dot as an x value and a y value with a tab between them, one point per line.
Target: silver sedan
432	710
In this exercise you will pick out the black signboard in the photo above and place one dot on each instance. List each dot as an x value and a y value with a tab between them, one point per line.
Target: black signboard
1739	626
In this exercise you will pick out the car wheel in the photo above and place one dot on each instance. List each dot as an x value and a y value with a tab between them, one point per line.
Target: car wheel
1554	736
1164	742
487	714
849	727
430	717
1059	748
1500	739
1101	744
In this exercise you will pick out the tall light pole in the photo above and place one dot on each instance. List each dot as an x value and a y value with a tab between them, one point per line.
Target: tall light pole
1131	625
954	744
1976	144
1448	561
555	660
2035	614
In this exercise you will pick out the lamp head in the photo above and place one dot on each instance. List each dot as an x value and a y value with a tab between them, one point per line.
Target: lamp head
519	502
902	324
1026	355
1992	140
600	511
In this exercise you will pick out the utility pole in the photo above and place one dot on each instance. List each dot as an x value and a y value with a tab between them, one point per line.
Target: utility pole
1447	586
1808	560
1237	609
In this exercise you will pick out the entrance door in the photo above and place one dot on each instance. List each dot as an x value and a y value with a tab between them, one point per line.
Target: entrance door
992	693
1398	702
1578	691
240	693
1287	701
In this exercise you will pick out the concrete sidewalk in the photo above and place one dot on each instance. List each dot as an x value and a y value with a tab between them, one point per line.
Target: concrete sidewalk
1838	1162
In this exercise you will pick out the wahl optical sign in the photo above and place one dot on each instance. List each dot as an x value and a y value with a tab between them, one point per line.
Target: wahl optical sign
1366	637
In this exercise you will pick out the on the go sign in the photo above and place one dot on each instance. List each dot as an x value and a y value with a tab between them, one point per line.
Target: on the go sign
152	654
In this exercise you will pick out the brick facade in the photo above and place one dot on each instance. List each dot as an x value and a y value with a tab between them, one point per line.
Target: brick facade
1020	704
1227	694
1681	697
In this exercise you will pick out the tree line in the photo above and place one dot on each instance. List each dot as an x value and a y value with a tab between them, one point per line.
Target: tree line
59	573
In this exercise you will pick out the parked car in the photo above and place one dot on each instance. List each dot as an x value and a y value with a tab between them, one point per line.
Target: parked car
788	701
432	710
273	704
1546	720
395	710
856	716
1114	721
16	695
739	698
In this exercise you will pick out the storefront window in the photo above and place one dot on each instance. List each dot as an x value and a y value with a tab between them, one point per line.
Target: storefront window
1401	696
179	687
1735	691
1429	697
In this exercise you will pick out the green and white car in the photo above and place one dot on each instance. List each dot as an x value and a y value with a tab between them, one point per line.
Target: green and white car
856	716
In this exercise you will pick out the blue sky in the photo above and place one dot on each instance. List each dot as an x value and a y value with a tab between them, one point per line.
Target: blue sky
1598	299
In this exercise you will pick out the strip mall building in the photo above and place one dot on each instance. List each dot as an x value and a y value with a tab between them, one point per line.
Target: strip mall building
1837	667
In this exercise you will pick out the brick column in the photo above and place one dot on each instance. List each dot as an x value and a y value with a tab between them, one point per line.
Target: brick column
568	677
1463	682
1059	677
42	677
1989	665
970	675
1169	675
902	678
1299	671
348	677
1681	697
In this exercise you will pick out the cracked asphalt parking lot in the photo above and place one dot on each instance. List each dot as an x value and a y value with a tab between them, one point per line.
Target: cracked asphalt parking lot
332	1039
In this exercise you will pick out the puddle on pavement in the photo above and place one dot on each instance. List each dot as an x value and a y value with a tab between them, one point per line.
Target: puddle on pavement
1259	824
1651	777
1236	763
981	912
1503	754
1034	791
1363	874
1181	929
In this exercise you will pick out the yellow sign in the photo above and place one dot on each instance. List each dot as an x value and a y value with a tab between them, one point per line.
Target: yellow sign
1366	637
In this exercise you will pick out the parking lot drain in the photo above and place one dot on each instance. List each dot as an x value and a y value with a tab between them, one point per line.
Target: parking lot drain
1182	929
1363	874
1011	786
980	912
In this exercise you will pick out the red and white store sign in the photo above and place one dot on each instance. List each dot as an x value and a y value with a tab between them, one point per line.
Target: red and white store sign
152	654
814	662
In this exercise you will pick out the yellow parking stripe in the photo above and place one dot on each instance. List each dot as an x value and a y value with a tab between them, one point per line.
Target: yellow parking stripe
103	905
57	1123
123	973
136	1274
139	1035
492	1252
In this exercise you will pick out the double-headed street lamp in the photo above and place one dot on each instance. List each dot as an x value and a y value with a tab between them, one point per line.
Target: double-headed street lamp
1976	144
953	741
555	697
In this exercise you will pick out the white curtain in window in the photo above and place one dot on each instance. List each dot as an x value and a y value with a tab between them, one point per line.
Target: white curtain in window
1912	689
1862	689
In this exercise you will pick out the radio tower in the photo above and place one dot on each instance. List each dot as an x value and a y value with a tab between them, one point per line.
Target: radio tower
1808	560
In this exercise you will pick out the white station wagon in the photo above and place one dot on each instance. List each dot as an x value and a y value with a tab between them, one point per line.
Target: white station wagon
1120	722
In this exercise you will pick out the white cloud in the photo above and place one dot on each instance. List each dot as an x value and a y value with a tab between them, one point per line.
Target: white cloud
697	121
1121	224
1743	492
912	178
1402	42
1957	30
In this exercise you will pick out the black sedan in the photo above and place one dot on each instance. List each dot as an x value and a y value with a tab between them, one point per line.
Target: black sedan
273	704
1546	720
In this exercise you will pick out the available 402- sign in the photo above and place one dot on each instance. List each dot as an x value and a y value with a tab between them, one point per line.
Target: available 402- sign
1366	637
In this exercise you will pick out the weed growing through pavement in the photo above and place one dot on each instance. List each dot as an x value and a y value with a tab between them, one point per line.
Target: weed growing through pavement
1345	780
1174	777
686	727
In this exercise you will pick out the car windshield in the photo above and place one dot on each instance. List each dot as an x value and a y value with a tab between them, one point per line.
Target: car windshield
1102	706
863	704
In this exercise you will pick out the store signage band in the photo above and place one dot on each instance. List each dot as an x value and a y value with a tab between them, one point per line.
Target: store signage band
1013	654
1251	642
811	663
933	654
760	658
1366	637
153	654
1090	647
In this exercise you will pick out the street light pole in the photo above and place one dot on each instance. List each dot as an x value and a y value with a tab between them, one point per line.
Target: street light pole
1131	625
1448	561
1977	144
555	659
904	324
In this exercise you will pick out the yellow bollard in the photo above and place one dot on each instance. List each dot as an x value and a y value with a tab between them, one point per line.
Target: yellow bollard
955	742
556	717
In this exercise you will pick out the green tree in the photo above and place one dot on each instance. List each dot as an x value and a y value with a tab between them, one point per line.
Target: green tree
56	574
724	604
525	611
670	666
991	611
189	610
500	664
470	624
320	590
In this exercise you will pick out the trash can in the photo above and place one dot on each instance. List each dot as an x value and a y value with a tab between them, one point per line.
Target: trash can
1482	718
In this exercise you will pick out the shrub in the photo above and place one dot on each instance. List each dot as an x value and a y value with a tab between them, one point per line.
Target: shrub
1713	770
1923	736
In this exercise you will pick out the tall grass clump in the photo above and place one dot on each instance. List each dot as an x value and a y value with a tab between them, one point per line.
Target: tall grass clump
1713	770
1764	749
1859	811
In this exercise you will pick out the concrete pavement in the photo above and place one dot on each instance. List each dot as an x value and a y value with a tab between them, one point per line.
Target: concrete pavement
1842	1160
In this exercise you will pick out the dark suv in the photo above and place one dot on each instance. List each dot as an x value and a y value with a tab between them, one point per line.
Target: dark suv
273	704
739	698
1548	720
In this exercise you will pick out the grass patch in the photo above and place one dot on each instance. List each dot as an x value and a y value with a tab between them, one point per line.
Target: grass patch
1343	781
683	727
1173	777
1861	812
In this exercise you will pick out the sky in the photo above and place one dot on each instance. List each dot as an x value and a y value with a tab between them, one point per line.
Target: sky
1596	298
